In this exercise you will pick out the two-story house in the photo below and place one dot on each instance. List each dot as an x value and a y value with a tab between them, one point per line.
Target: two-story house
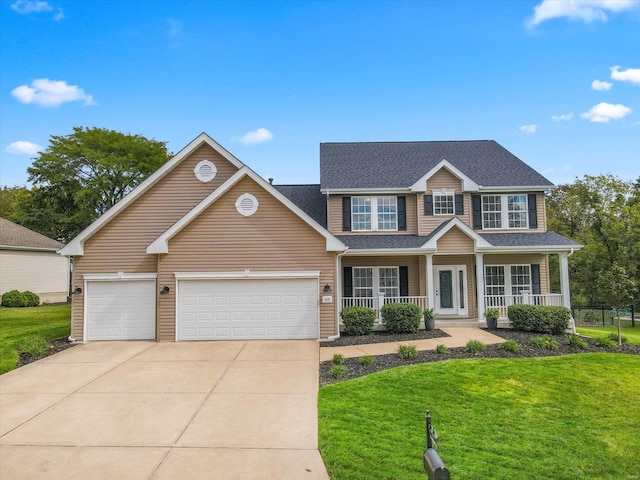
205	249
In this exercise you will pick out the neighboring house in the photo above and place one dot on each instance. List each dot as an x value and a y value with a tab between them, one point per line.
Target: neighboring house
205	249
28	261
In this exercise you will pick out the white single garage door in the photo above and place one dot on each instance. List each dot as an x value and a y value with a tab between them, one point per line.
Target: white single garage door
248	309
121	310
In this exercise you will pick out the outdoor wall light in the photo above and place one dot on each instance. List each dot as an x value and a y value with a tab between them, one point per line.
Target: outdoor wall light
327	289
164	290
76	291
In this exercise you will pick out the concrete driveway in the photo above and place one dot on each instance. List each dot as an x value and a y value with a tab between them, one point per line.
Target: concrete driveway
143	410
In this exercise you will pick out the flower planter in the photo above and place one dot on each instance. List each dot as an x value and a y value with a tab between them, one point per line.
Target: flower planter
492	323
430	323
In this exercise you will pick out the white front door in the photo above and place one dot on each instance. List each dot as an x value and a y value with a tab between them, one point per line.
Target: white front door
450	289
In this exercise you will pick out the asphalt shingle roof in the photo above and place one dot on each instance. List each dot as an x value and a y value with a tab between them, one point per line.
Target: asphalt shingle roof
401	164
372	242
309	199
533	239
14	235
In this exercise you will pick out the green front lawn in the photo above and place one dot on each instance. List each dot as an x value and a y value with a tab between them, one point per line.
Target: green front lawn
632	333
568	417
49	322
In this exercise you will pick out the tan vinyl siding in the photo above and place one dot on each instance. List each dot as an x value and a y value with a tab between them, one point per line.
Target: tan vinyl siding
443	179
412	262
221	240
335	217
120	246
524	259
455	241
44	273
469	262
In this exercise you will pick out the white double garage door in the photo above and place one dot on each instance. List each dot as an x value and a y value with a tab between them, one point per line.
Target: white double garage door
222	309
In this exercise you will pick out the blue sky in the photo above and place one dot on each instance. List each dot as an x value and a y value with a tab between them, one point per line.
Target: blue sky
555	82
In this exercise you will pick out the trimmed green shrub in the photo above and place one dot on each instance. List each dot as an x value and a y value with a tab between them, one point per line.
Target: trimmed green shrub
367	360
546	342
442	349
34	346
401	317
407	351
537	318
604	342
358	320
576	342
15	299
510	346
474	346
338	359
31	299
338	371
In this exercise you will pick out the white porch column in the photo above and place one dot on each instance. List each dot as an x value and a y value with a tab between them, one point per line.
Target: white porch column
564	279
431	292
480	285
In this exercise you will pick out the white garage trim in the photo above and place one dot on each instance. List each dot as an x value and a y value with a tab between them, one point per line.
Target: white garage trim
100	278
249	279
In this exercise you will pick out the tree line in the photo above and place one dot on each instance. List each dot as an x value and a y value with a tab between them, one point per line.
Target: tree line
80	176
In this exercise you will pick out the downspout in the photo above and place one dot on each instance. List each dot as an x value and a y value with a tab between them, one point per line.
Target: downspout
338	290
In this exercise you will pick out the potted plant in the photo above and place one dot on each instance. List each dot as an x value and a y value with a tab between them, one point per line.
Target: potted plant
492	315
429	319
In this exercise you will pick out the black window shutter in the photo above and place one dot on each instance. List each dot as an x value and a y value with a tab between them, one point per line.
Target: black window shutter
402	213
347	282
428	204
459	200
346	214
404	281
533	211
535	279
476	201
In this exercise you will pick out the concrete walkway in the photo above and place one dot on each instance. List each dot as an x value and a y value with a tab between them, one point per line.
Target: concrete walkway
459	336
143	410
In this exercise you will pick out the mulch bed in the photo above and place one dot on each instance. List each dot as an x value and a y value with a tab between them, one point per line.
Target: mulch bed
383	337
55	346
385	362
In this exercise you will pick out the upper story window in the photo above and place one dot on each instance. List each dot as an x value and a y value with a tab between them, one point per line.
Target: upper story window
443	203
374	213
504	211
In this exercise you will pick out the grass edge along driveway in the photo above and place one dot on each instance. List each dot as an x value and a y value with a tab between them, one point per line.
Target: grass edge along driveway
49	322
574	416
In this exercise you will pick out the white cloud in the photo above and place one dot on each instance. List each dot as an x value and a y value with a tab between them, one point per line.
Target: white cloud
22	147
59	15
51	93
257	136
586	10
601	86
565	117
605	112
25	7
629	75
529	129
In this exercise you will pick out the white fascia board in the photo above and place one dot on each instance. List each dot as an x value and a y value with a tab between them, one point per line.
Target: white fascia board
364	191
161	244
119	276
480	242
245	274
389	251
468	185
530	249
533	188
76	246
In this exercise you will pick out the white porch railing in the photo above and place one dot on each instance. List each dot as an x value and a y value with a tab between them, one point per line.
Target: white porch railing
503	302
376	303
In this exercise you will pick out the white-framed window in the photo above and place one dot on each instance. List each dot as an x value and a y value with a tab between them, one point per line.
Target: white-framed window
504	211
443	203
497	283
374	213
363	282
386	280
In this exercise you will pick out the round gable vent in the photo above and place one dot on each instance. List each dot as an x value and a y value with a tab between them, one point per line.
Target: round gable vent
247	204
205	171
